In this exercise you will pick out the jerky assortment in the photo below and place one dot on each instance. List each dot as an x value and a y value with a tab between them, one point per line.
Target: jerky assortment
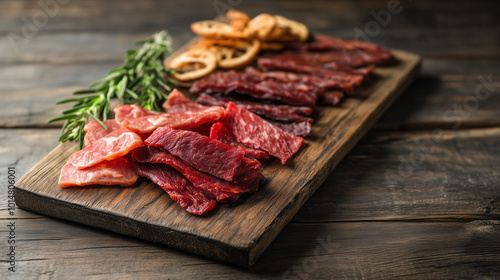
184	163
208	152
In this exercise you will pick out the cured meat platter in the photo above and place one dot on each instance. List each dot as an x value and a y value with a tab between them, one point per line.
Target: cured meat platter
237	232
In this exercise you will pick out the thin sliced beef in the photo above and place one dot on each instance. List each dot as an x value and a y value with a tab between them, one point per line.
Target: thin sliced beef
331	97
295	62
178	103
324	42
114	145
95	131
302	78
115	172
270	111
186	120
250	129
371	53
191	199
363	71
226	82
123	112
220	132
202	152
301	129
222	190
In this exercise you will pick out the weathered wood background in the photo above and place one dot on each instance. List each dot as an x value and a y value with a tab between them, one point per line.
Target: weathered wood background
416	198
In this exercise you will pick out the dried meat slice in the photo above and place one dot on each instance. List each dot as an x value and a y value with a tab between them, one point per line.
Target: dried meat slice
331	97
115	172
270	111
301	129
95	131
250	129
227	82
199	151
301	78
178	187
220	132
222	190
186	120
114	145
124	112
296	62
178	103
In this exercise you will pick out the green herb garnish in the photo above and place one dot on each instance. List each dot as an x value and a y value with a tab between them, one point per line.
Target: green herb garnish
142	80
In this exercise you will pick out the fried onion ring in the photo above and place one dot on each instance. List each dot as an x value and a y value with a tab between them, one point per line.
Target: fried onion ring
216	29
202	61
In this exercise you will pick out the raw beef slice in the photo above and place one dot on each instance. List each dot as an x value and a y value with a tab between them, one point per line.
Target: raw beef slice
178	187
95	131
199	151
250	129
220	132
115	172
178	103
114	145
186	120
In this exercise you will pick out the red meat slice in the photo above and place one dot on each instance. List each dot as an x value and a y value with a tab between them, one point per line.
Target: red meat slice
94	130
199	151
302	78
250	129
187	120
364	71
223	191
178	187
301	129
296	62
124	112
331	97
114	145
324	43
270	111
115	172
220	132
178	103
226	82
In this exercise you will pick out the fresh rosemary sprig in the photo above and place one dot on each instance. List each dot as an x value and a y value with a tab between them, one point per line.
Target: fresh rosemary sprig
141	80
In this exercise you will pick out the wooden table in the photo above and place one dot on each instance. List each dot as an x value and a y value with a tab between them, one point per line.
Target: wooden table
418	197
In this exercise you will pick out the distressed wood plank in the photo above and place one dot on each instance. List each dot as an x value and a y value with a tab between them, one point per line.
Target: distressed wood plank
249	226
50	248
412	176
448	95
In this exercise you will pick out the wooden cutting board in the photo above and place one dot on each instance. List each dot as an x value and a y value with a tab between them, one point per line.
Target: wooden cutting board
235	233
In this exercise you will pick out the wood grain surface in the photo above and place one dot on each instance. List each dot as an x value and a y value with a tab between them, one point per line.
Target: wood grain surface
249	226
438	222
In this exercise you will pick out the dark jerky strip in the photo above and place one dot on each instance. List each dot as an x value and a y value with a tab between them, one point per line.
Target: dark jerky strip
250	129
286	77
223	191
226	82
364	71
301	129
331	97
178	103
199	151
288	63
191	199
222	133
370	53
271	111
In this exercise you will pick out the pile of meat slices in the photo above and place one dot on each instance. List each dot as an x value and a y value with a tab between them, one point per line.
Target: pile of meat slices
207	152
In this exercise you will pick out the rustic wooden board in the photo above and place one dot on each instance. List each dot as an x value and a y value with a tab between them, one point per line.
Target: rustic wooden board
236	233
